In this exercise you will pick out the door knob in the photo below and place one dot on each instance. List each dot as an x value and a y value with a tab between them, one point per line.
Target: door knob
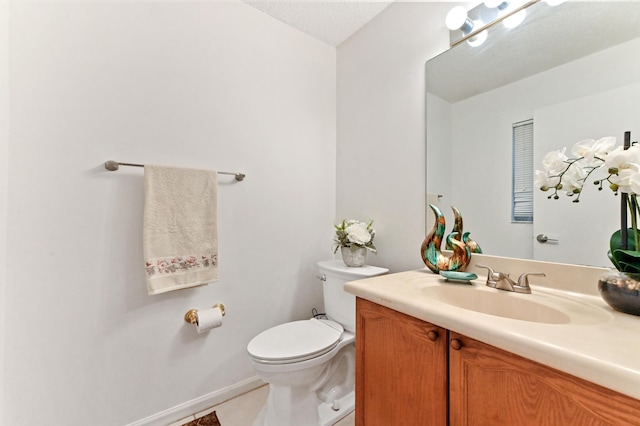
542	238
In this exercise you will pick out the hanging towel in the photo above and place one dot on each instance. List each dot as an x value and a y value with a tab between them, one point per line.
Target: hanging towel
180	232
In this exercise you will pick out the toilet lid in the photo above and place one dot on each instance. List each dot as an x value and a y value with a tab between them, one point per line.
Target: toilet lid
295	341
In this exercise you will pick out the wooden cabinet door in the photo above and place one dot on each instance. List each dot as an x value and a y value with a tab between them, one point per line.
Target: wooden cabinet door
489	386
401	369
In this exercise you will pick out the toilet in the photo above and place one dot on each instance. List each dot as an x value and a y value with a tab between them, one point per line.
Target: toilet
310	364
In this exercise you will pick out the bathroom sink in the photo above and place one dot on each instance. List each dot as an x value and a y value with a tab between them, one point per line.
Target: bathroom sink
538	307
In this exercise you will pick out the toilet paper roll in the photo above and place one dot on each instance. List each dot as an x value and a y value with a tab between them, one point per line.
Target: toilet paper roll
208	319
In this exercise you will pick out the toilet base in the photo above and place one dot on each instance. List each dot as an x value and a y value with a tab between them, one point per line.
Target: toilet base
327	416
319	395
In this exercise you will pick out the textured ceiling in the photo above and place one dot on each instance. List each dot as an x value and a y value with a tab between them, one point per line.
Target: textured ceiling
329	21
549	36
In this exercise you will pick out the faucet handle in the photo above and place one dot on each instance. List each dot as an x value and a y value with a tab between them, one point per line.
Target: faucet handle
523	281
491	271
492	277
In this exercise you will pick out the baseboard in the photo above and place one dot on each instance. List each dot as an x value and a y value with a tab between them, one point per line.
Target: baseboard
188	408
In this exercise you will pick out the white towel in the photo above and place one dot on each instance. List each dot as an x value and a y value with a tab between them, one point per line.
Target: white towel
180	232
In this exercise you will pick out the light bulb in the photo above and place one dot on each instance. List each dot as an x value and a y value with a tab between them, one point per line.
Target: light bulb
478	39
515	20
457	20
497	4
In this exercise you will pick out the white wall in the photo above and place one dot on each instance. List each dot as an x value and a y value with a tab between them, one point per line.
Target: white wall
381	126
218	86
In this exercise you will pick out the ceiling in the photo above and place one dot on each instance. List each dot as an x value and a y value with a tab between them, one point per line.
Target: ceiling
327	20
549	36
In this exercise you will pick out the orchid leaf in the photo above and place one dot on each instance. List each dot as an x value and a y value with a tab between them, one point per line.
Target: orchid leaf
611	258
626	260
615	243
630	269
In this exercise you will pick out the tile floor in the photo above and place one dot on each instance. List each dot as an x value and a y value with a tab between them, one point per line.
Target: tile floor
242	410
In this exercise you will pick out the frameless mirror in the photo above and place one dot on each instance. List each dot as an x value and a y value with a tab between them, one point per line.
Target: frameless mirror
574	70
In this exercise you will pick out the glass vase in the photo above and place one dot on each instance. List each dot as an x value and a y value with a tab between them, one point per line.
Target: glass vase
621	291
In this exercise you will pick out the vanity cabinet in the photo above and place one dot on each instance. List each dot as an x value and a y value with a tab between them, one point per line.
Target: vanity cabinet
401	369
407	376
489	386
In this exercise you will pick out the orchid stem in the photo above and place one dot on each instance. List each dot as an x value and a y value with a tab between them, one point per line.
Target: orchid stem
633	206
636	237
623	208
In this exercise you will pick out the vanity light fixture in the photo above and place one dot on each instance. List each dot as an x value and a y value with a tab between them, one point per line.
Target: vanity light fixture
511	13
478	39
497	4
457	19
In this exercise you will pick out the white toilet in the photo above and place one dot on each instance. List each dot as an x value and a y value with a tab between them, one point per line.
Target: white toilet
310	364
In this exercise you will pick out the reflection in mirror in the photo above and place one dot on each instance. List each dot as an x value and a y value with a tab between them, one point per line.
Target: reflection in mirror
572	69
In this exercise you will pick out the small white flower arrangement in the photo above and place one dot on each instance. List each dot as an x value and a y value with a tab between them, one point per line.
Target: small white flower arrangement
354	233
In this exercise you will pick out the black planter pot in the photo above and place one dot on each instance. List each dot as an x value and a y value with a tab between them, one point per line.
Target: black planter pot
621	291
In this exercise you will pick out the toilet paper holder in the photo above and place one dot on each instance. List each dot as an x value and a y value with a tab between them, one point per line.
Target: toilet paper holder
192	314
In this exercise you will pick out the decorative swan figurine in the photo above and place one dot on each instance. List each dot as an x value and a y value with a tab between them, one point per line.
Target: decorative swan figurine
431	253
473	246
458	227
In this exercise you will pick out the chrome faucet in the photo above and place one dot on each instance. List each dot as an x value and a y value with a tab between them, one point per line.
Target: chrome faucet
502	281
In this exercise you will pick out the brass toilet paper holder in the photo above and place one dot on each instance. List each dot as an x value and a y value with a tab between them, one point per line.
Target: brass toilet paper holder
192	315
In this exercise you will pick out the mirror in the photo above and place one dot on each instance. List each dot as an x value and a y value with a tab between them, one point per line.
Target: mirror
574	70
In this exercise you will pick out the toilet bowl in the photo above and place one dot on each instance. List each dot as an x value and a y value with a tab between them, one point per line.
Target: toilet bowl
310	364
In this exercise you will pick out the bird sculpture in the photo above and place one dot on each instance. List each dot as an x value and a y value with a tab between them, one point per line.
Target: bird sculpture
458	227
431	252
473	246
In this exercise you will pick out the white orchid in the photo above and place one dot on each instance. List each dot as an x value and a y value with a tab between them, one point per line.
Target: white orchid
555	162
543	181
627	179
574	178
620	158
570	174
593	150
622	166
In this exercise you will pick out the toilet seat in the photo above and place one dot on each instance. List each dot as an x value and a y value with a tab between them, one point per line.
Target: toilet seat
295	341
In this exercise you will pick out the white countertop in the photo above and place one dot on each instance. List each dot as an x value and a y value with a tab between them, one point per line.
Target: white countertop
605	351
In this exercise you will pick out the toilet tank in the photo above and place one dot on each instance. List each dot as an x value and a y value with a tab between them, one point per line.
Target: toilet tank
339	305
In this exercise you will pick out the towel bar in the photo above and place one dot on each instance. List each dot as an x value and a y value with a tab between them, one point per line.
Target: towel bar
112	166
